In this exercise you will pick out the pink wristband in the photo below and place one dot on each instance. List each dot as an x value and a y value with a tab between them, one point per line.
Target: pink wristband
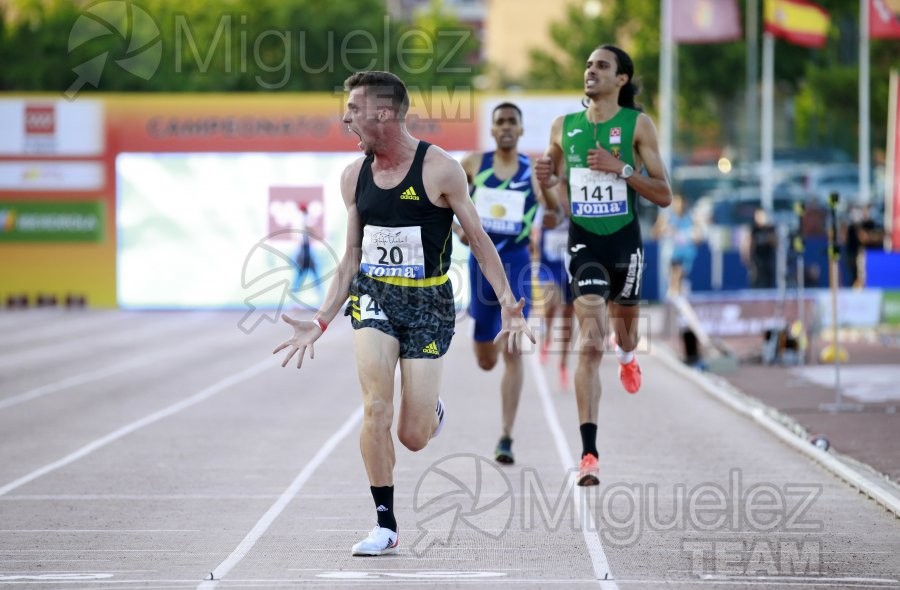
322	324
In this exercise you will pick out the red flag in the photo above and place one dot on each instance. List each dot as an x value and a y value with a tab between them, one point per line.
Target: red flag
706	21
884	19
800	22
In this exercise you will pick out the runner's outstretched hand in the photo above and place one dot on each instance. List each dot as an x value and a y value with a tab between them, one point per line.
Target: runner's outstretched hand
513	327
306	332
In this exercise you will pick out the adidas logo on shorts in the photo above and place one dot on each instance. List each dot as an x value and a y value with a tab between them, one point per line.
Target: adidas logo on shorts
431	349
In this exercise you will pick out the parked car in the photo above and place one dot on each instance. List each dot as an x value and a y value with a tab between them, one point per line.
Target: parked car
737	206
693	182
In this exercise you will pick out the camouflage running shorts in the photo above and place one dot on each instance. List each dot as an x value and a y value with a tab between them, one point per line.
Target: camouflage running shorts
422	319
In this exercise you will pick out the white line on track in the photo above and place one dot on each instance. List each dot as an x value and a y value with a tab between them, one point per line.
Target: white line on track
595	548
101	442
272	513
98	374
124	337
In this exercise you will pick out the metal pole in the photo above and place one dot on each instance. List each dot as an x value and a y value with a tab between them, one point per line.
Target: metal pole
752	96
766	170
799	248
865	147
667	94
834	268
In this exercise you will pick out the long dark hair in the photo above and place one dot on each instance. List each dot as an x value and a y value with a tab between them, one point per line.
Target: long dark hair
624	65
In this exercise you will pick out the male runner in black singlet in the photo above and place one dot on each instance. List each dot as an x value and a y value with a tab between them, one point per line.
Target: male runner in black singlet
401	198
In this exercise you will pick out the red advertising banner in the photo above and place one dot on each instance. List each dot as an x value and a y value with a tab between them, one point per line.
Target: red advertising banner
267	123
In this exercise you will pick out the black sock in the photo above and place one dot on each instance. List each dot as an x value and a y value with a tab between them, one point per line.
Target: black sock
588	439
384	505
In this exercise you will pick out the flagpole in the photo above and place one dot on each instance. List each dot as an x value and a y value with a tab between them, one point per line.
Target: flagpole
768	100
752	98
666	85
864	118
891	190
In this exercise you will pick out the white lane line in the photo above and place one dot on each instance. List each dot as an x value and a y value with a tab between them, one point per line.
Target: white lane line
98	374
64	325
588	527
221	570
127	335
101	442
81	379
113	531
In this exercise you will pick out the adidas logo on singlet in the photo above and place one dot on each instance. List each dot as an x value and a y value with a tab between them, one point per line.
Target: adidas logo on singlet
409	195
431	349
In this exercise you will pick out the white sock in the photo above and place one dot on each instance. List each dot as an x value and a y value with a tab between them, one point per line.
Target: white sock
624	357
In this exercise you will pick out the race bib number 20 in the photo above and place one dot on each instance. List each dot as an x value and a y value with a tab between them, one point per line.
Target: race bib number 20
393	252
597	194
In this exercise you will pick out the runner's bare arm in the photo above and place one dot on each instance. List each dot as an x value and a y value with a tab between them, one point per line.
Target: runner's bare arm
655	185
349	264
549	168
449	180
470	164
444	176
306	332
549	200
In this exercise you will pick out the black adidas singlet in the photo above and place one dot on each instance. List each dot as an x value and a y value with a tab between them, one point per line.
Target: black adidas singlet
405	236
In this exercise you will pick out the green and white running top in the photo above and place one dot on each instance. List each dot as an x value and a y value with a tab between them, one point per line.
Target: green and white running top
601	202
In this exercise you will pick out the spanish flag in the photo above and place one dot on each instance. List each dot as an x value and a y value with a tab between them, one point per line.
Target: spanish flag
797	21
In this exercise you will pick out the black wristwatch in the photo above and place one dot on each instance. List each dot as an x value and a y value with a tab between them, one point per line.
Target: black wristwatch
626	172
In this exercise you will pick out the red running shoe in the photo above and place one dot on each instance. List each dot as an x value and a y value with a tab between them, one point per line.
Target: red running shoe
589	471
630	376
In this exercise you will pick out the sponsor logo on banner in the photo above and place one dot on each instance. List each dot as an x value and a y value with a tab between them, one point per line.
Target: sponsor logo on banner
51	221
615	135
296	209
52	127
40	119
40	128
34	175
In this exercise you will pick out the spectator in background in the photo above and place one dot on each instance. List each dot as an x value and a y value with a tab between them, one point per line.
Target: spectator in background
814	222
306	264
862	234
759	250
679	236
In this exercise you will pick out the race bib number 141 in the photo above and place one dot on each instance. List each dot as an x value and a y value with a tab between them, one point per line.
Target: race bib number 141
597	194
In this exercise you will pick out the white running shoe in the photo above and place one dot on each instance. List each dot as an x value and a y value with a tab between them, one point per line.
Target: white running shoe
379	542
439	410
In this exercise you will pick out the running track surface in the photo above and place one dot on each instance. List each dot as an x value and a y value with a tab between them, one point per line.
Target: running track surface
171	450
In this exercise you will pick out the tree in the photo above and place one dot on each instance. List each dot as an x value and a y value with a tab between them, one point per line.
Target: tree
711	79
238	45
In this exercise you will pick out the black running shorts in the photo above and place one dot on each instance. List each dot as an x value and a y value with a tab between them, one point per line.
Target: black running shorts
422	319
610	266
